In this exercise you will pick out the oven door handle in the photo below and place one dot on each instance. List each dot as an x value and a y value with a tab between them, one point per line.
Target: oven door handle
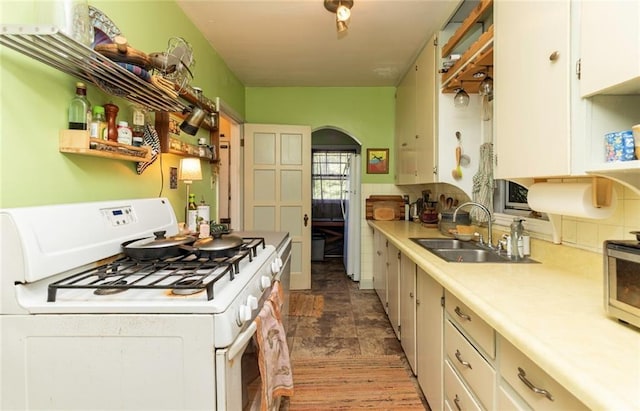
242	341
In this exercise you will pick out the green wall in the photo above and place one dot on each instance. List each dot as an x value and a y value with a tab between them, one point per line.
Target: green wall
365	113
34	100
33	105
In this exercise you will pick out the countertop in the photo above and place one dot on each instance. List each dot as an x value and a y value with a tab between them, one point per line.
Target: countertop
553	312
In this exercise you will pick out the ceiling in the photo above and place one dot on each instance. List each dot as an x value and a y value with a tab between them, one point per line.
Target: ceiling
295	42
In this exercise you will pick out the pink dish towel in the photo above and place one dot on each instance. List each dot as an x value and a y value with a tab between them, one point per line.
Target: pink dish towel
273	355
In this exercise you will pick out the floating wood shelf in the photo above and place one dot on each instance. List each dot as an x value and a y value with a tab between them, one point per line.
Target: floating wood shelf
79	142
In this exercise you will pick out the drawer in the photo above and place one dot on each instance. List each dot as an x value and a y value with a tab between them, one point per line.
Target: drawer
507	401
456	396
524	376
476	328
473	368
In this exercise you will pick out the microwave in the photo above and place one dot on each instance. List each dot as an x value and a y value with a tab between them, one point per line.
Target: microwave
622	279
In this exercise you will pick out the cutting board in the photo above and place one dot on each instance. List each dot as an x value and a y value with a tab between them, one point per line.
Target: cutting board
384	207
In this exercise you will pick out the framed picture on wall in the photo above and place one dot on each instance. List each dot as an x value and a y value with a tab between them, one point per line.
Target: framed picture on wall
377	161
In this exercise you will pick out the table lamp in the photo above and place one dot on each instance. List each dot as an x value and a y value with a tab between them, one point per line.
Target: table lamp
189	171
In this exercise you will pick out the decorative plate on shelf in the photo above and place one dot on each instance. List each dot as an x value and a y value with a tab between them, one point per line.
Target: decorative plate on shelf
104	29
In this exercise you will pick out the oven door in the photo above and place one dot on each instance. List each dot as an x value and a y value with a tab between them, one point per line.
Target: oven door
238	381
623	285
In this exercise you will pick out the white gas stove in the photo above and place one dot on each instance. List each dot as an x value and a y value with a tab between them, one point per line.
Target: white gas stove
152	334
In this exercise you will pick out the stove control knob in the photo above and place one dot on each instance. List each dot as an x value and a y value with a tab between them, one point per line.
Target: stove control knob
265	282
274	267
252	302
279	262
244	314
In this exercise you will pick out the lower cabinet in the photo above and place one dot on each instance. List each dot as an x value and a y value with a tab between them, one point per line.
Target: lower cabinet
459	360
393	287
408	309
380	267
429	334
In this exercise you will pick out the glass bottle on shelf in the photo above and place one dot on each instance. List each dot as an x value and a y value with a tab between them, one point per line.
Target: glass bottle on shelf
192	214
79	109
98	128
137	125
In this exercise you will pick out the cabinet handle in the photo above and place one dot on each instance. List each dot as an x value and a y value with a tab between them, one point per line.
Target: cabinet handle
456	401
417	302
462	315
411	294
463	362
554	56
404	144
541	391
378	252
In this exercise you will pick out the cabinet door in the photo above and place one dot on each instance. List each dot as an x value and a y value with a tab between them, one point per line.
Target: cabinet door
429	323
610	47
426	125
532	88
380	267
393	287
406	129
408	310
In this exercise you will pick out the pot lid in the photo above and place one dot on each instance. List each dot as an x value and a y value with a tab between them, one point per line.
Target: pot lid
218	243
161	241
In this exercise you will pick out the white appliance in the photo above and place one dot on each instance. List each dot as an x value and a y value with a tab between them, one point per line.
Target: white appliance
85	327
351	214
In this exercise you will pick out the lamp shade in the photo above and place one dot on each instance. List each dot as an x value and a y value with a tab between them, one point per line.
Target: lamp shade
190	169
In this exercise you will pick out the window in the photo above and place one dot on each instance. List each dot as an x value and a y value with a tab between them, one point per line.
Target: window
511	198
330	174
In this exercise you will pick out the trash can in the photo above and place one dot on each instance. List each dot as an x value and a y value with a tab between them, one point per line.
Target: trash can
317	247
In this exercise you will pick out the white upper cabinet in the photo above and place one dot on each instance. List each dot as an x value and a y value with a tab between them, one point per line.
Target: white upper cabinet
415	121
610	81
610	47
533	65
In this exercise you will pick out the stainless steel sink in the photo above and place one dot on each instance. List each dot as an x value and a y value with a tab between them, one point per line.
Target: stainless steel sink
457	251
449	243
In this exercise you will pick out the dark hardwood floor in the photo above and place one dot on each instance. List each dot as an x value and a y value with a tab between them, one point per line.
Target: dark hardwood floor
353	321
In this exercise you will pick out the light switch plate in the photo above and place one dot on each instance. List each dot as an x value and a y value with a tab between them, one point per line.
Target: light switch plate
173	178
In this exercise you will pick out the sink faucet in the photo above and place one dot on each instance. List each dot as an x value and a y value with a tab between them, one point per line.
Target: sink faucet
486	210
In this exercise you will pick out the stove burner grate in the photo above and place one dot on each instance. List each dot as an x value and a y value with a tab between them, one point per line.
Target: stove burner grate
109	288
183	275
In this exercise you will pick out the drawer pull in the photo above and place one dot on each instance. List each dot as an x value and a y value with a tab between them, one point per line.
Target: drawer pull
523	378
456	401
463	362
462	315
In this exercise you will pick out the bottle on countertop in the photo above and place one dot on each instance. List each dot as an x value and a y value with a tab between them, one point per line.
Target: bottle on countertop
515	239
124	133
98	127
79	109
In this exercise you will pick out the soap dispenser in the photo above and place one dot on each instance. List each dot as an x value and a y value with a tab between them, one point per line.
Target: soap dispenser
515	238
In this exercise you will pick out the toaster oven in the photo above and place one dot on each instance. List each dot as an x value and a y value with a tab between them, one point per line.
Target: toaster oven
622	279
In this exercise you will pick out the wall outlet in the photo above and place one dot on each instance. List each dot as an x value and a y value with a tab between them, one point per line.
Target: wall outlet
173	178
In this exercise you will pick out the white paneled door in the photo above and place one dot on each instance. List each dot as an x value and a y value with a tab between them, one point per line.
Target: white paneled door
277	170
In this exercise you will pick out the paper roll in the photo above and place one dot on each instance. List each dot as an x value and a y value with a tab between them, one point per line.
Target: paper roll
569	199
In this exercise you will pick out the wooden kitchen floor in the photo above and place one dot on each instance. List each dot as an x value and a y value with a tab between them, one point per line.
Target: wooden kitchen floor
352	321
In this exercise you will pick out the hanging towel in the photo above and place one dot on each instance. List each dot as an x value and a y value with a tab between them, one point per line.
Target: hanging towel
482	189
273	352
152	140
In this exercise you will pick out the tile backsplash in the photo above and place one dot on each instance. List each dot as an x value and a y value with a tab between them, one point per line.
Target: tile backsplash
590	234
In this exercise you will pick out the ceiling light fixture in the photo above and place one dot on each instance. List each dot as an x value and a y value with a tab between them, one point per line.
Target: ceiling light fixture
342	8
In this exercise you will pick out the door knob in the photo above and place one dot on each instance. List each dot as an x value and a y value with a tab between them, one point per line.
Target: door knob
306	220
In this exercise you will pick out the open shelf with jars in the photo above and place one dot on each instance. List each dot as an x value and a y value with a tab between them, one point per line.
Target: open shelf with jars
48	45
79	142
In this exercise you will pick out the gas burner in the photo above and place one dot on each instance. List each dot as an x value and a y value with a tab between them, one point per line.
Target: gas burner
116	287
188	282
